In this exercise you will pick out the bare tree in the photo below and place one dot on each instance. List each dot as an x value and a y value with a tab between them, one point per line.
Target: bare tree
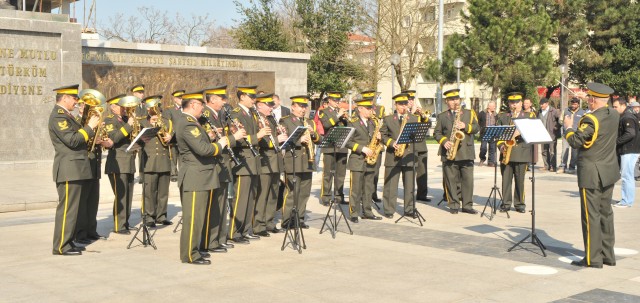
219	37
192	30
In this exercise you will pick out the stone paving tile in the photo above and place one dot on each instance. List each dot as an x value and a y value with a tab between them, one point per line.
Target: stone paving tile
603	296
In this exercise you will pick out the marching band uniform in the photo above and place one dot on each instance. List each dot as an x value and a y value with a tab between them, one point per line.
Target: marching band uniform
459	170
396	166
71	170
170	112
303	166
329	119
422	155
598	172
517	167
379	115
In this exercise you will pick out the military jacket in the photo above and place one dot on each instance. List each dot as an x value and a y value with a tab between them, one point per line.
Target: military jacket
363	133
271	162
157	156
390	131
95	156
119	161
302	161
421	147
197	156
521	152
329	118
69	139
250	164
595	140
226	165
444	127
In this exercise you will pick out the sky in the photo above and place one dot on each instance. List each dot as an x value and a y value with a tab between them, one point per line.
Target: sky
222	12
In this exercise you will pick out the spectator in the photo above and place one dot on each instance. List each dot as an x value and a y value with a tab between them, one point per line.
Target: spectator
551	119
569	154
628	149
486	118
279	110
527	106
635	106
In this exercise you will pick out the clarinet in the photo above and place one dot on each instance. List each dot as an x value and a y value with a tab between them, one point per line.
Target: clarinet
264	124
238	126
219	135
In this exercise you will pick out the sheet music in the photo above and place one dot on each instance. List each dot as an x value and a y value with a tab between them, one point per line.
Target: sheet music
144	133
532	130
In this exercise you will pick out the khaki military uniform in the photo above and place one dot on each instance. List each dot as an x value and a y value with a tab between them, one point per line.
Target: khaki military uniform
170	113
120	168
157	173
397	166
598	171
329	119
457	172
197	179
517	167
271	165
71	170
303	171
421	167
361	186
87	225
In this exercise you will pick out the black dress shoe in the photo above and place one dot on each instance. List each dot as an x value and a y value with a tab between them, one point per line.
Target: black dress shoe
469	211
388	216
70	252
411	215
150	224
275	230
76	247
583	263
521	210
227	245
304	225
164	222
424	198
240	240
453	211
204	254
372	217
504	209
354	219
263	233
376	199
123	232
201	261
609	262
218	249
84	241
251	237
95	237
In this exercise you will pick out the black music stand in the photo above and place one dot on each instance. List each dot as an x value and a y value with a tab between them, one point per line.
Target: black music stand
295	235
411	133
493	134
337	137
147	236
533	132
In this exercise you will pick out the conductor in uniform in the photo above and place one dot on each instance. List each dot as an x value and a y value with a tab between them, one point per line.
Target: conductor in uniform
362	187
71	166
198	176
514	161
598	172
330	117
459	170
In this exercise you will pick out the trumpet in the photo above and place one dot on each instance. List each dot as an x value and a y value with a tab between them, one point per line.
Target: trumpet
235	126
129	103
424	116
94	106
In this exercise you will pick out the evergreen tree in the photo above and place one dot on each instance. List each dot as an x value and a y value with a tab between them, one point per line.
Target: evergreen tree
260	28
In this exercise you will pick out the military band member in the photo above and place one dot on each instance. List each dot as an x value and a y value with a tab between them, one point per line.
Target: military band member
379	113
175	110
271	165
598	171
157	165
362	173
333	115
247	173
120	165
519	157
458	171
71	166
198	176
400	164
421	150
140	114
302	162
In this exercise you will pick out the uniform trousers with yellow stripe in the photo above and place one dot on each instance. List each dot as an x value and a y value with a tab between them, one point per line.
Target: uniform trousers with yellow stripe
87	225
156	196
243	206
597	224
215	228
513	171
266	203
458	174
390	191
328	161
70	195
360	191
303	181
194	207
122	185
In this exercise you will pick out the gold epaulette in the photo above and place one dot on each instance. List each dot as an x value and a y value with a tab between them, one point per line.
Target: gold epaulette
61	111
190	119
236	110
284	117
354	119
110	116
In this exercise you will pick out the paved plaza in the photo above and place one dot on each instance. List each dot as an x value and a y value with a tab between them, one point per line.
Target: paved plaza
452	258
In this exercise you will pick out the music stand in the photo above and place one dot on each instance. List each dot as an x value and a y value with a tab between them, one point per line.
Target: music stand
411	133
491	135
533	132
294	235
337	137
147	236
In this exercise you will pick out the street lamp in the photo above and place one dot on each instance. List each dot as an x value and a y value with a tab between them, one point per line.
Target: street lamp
457	63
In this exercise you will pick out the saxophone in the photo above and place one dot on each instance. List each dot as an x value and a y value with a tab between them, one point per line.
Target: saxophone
375	145
399	152
456	137
310	148
506	154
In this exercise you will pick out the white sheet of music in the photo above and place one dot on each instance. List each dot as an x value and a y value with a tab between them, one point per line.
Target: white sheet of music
532	130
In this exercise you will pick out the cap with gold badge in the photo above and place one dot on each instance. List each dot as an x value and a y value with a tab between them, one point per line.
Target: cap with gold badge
114	100
218	91
138	88
401	99
301	100
368	94
266	99
411	93
337	96
515	97
178	93
249	90
365	102
599	90
71	90
452	94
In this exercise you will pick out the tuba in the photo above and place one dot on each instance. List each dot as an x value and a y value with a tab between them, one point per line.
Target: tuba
506	154
153	106
456	137
375	144
129	103
94	105
399	152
